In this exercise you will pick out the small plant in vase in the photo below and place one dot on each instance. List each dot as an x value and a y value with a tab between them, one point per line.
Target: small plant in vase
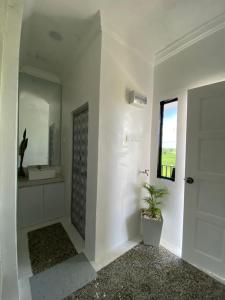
152	220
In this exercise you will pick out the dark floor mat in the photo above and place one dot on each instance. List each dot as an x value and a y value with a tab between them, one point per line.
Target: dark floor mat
49	246
149	273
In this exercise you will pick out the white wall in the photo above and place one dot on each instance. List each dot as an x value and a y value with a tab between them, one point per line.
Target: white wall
124	140
114	159
201	64
81	85
8	146
2	20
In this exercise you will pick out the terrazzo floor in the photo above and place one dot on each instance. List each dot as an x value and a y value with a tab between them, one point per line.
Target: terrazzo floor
147	272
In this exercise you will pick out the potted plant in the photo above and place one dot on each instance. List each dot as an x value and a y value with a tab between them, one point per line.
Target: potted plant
152	220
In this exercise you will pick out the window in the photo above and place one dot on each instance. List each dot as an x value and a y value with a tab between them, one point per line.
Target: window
167	140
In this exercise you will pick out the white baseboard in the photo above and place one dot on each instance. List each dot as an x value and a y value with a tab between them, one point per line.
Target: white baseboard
116	252
178	252
175	250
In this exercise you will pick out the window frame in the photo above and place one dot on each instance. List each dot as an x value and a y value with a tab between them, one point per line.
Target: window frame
159	165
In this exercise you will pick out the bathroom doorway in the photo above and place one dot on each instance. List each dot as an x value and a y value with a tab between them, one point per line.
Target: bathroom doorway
79	168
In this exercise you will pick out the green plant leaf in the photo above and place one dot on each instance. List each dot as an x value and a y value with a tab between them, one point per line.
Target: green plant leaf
154	193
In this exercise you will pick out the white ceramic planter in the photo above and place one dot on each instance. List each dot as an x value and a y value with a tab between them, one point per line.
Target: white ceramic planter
151	231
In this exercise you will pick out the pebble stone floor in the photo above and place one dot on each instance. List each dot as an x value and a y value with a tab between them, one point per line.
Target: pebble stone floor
147	272
49	246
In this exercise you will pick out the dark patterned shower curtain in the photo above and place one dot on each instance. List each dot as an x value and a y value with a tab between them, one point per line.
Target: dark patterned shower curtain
79	171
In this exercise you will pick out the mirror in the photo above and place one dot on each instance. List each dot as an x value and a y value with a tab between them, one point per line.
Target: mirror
40	115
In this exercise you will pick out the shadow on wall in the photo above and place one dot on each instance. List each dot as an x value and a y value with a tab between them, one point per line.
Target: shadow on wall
133	218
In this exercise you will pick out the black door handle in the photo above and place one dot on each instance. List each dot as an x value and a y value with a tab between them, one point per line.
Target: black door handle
189	180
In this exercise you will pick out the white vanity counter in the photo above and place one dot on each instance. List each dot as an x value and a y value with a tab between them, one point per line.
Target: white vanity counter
25	182
40	201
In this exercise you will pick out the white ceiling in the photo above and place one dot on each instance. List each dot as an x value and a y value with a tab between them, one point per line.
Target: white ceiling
145	25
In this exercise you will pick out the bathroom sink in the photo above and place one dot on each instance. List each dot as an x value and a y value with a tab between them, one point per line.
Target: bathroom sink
41	172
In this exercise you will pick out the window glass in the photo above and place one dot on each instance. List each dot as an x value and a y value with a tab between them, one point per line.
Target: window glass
168	140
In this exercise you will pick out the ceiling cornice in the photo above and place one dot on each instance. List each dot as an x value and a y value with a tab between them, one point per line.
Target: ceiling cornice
190	39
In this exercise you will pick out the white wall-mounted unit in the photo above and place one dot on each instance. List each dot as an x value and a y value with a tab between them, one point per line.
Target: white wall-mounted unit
137	99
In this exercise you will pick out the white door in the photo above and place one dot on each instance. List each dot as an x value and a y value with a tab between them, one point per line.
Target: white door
204	205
